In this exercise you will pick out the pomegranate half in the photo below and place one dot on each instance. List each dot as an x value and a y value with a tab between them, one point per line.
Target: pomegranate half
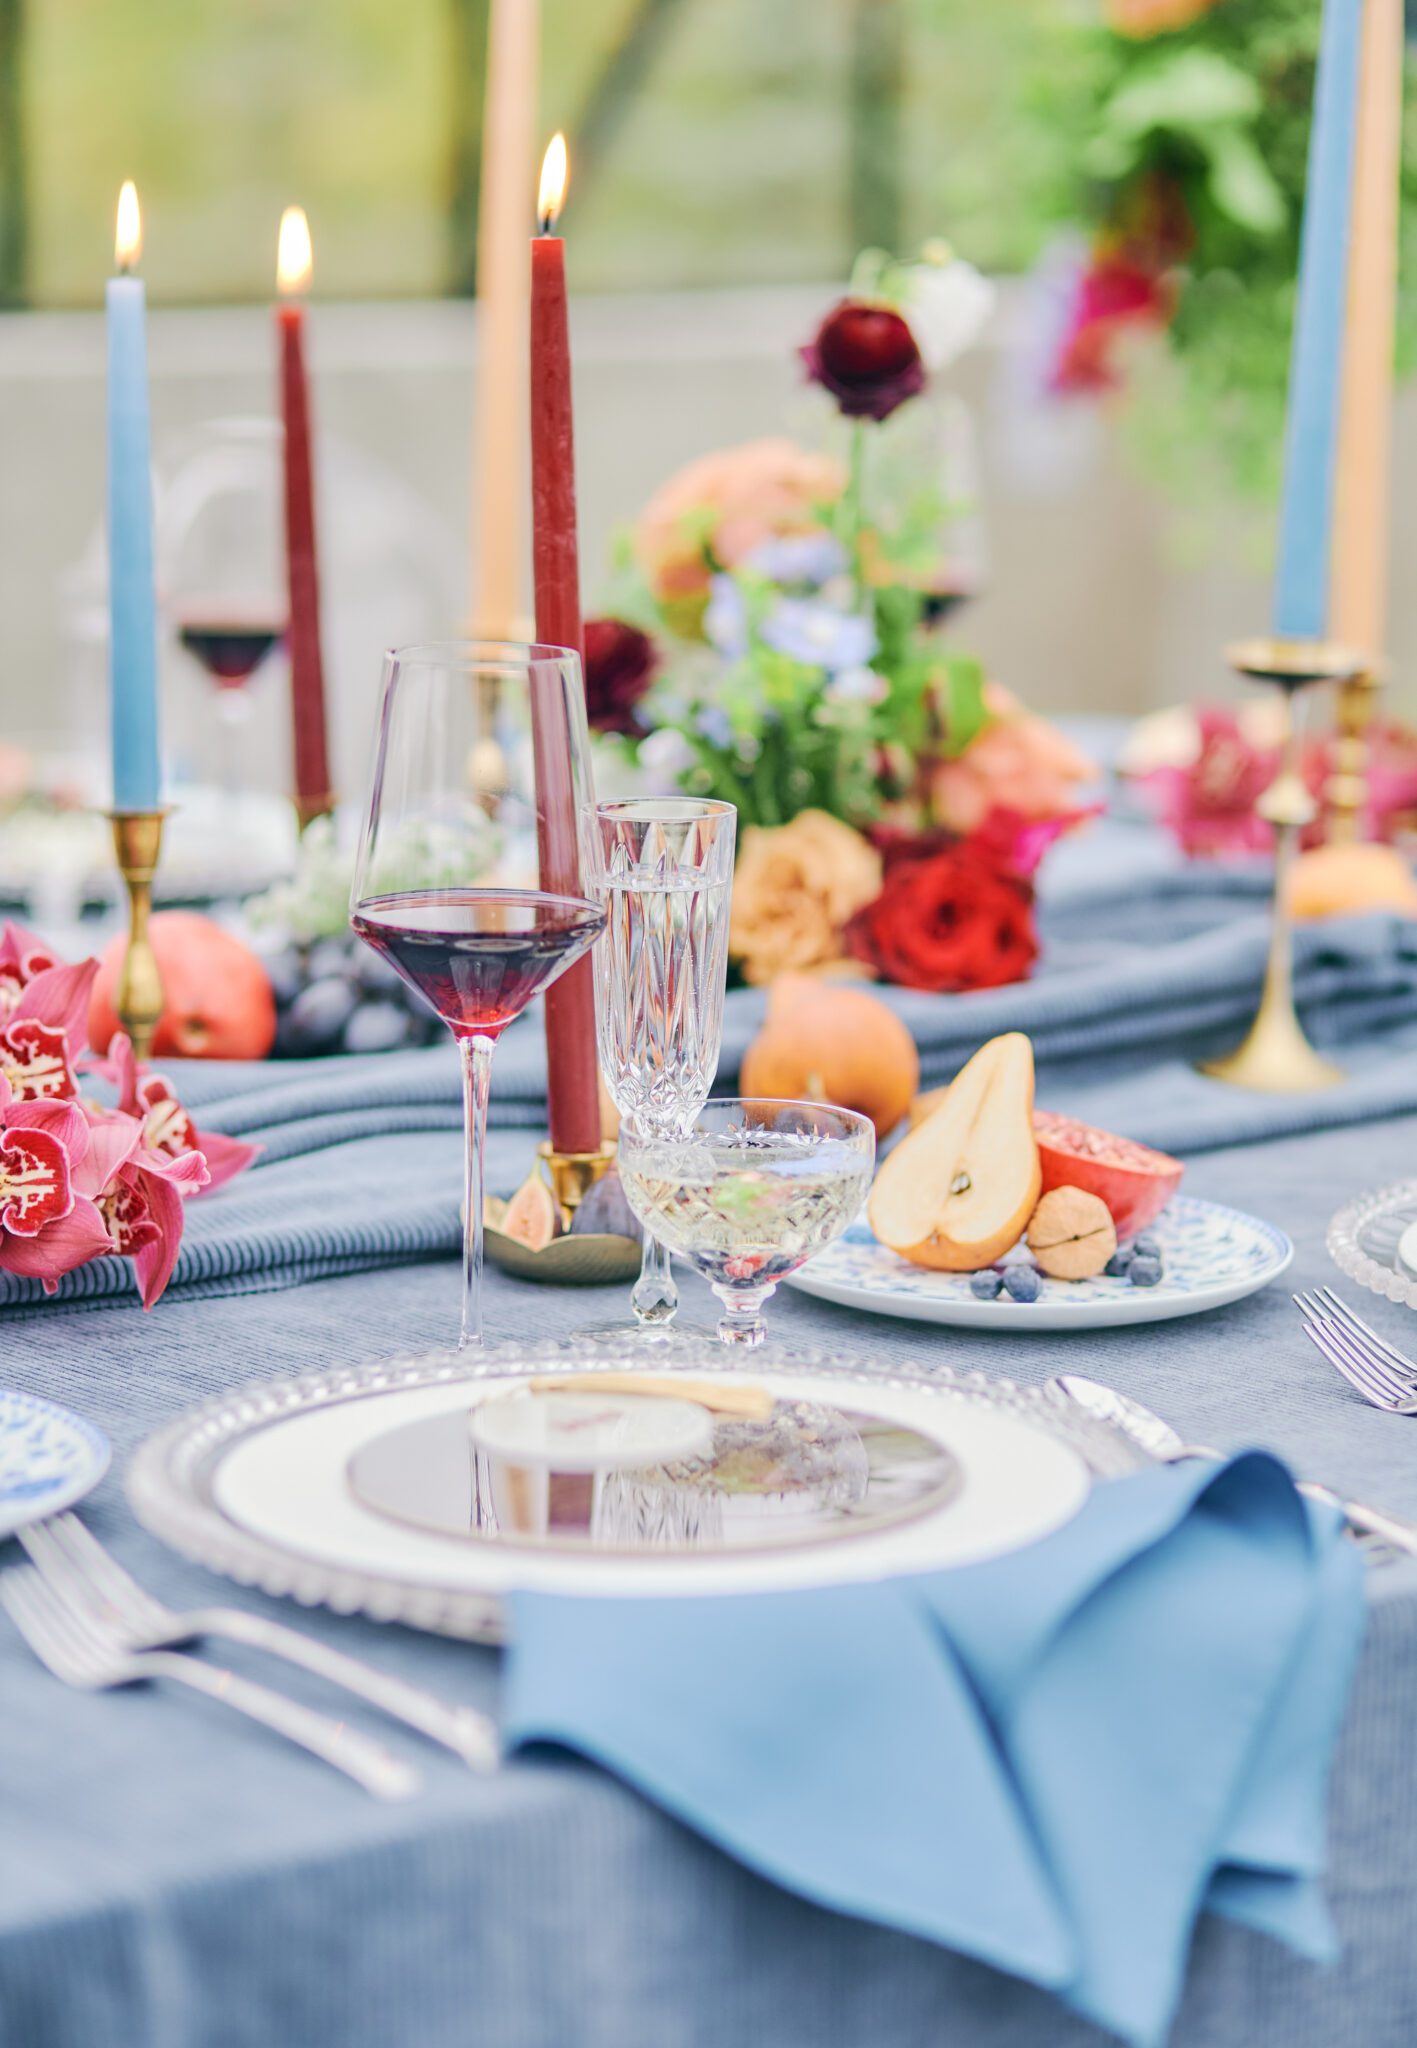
1135	1182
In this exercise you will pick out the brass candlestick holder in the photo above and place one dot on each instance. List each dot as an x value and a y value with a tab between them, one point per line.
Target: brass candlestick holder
1275	1056
1346	791
137	841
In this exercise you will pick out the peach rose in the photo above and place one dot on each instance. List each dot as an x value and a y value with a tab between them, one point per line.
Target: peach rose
794	889
728	502
1019	762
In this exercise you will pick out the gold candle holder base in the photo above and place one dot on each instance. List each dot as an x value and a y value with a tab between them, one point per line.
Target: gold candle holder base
587	1259
137	841
1275	1056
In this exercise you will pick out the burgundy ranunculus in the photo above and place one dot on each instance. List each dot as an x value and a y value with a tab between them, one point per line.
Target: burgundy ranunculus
620	662
867	357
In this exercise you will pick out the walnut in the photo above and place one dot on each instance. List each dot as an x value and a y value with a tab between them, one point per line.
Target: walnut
1071	1234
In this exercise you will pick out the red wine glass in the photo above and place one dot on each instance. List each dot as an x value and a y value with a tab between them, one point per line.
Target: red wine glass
223	572
468	879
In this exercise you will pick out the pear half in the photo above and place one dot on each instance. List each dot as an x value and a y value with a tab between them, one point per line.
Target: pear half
956	1193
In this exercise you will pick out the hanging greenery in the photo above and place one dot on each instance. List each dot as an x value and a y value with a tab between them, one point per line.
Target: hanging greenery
1181	133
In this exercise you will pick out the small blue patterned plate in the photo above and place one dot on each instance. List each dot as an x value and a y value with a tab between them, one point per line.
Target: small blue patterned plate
48	1459
1212	1255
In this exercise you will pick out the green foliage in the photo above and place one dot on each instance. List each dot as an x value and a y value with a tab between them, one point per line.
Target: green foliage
1219	112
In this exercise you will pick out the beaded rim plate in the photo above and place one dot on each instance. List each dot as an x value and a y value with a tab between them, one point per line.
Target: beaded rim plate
1364	1237
1212	1255
176	1486
49	1458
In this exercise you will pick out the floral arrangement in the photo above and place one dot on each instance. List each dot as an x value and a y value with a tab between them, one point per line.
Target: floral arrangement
778	643
79	1179
1203	770
1180	134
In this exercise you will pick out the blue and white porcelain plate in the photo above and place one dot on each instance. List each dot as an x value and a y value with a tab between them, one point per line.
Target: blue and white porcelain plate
1212	1255
48	1459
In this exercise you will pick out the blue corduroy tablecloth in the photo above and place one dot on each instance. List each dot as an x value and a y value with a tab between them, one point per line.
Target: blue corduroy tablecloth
170	1880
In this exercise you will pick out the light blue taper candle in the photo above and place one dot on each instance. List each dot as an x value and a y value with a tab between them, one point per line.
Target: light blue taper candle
1316	357
132	602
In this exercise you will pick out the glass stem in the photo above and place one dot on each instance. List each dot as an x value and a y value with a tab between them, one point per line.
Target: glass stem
476	1079
656	1298
743	1324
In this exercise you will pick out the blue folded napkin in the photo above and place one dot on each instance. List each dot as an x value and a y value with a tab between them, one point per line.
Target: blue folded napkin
1050	1762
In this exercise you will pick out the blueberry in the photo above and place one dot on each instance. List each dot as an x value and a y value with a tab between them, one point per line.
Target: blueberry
316	1019
1119	1265
1146	1246
377	1027
1146	1271
1023	1283
986	1286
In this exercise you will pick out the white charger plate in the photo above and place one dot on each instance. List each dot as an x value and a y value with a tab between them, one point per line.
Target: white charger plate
1212	1255
49	1458
256	1485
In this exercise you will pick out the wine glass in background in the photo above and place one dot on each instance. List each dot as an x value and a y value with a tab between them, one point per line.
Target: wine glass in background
749	1193
221	549
477	814
663	867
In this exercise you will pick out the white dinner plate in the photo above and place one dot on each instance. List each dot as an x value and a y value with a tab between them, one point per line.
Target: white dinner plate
48	1459
1211	1255
258	1485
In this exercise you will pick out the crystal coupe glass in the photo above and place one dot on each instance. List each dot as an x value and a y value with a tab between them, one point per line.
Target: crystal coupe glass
467	880
663	867
750	1193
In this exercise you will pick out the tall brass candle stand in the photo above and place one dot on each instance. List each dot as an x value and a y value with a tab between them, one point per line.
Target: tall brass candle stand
1275	1055
137	840
1347	788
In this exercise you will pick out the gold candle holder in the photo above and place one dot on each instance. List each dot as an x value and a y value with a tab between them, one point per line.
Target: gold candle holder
1346	791
309	808
1275	1056
137	841
574	1174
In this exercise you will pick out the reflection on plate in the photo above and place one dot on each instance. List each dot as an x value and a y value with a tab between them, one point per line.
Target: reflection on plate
1212	1255
805	1473
48	1459
257	1483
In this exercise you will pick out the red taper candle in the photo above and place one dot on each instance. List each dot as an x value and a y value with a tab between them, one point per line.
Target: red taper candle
573	1097
313	793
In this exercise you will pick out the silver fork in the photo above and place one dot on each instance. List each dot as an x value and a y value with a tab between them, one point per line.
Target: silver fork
79	1652
83	1574
1379	1372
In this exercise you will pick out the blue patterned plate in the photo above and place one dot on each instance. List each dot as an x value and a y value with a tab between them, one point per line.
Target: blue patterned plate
48	1459
1212	1255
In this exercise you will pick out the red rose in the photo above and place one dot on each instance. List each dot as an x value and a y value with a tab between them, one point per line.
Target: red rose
866	356
954	920
620	662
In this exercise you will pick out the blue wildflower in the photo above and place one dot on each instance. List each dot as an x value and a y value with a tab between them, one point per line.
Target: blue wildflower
819	636
726	619
797	558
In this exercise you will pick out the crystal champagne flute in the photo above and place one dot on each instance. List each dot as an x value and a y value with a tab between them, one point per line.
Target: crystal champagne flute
468	874
663	867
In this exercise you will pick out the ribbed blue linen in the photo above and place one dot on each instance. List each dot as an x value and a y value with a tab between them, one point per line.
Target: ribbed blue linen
1050	1761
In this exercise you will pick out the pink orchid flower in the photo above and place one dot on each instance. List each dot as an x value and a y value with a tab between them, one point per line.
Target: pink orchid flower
138	1193
48	1222
44	1007
23	955
168	1129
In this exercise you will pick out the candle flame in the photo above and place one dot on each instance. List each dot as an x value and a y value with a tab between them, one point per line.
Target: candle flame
295	258
128	240
555	172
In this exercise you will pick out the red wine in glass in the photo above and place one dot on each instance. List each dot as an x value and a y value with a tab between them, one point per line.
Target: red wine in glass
478	955
230	648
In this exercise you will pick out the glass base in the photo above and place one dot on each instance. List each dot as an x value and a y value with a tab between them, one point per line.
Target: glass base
648	1336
